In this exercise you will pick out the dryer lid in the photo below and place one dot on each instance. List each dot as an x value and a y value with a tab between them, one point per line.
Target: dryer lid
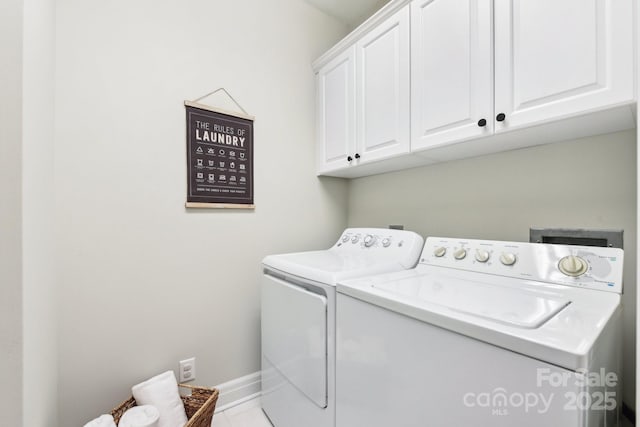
330	267
357	253
514	307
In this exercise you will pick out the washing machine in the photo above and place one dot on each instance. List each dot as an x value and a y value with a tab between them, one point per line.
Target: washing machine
483	333
298	319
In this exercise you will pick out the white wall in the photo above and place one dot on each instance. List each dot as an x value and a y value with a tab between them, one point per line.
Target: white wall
38	287
368	13
10	213
144	282
586	183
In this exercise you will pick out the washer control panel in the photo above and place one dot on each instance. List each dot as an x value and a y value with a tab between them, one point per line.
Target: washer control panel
578	266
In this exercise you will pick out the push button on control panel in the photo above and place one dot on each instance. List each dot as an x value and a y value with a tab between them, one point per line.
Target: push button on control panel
386	242
355	238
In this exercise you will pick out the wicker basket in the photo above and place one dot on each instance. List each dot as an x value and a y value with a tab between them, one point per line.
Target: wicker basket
199	406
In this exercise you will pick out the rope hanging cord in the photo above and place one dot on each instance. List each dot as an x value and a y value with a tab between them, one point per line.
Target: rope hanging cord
228	94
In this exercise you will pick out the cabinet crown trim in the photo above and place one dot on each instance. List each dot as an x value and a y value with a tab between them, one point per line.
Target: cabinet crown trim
389	9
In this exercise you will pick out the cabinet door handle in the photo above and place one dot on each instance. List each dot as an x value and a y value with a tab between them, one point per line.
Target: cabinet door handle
357	156
482	123
349	159
500	117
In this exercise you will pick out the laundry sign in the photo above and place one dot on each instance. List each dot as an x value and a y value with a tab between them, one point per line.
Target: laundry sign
219	158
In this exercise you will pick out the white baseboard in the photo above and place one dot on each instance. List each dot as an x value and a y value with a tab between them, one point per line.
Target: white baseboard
239	390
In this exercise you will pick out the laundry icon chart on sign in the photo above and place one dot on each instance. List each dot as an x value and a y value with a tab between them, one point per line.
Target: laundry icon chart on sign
219	153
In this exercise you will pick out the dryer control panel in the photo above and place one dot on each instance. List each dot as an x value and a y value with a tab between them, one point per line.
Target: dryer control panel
384	243
579	266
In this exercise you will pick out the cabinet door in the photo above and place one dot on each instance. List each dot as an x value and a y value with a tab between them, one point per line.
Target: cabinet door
558	58
383	90
451	71
336	137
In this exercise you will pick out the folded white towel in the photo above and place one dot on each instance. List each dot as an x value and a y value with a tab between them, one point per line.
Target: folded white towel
102	421
140	416
162	392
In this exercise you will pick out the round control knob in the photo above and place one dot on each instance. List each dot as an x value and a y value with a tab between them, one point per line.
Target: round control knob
573	266
439	252
369	240
460	253
355	239
507	258
345	238
482	255
386	242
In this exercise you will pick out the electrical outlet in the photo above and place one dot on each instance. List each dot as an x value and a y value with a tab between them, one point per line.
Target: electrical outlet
187	370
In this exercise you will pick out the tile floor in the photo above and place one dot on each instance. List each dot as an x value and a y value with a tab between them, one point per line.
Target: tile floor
247	414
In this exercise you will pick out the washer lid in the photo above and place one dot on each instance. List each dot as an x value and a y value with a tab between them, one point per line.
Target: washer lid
554	323
514	307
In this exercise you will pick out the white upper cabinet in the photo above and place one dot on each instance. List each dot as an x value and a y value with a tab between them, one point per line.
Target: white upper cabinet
336	112
363	97
451	71
426	81
559	58
382	107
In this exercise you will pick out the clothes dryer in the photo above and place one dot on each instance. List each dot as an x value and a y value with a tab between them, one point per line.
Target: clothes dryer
298	319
